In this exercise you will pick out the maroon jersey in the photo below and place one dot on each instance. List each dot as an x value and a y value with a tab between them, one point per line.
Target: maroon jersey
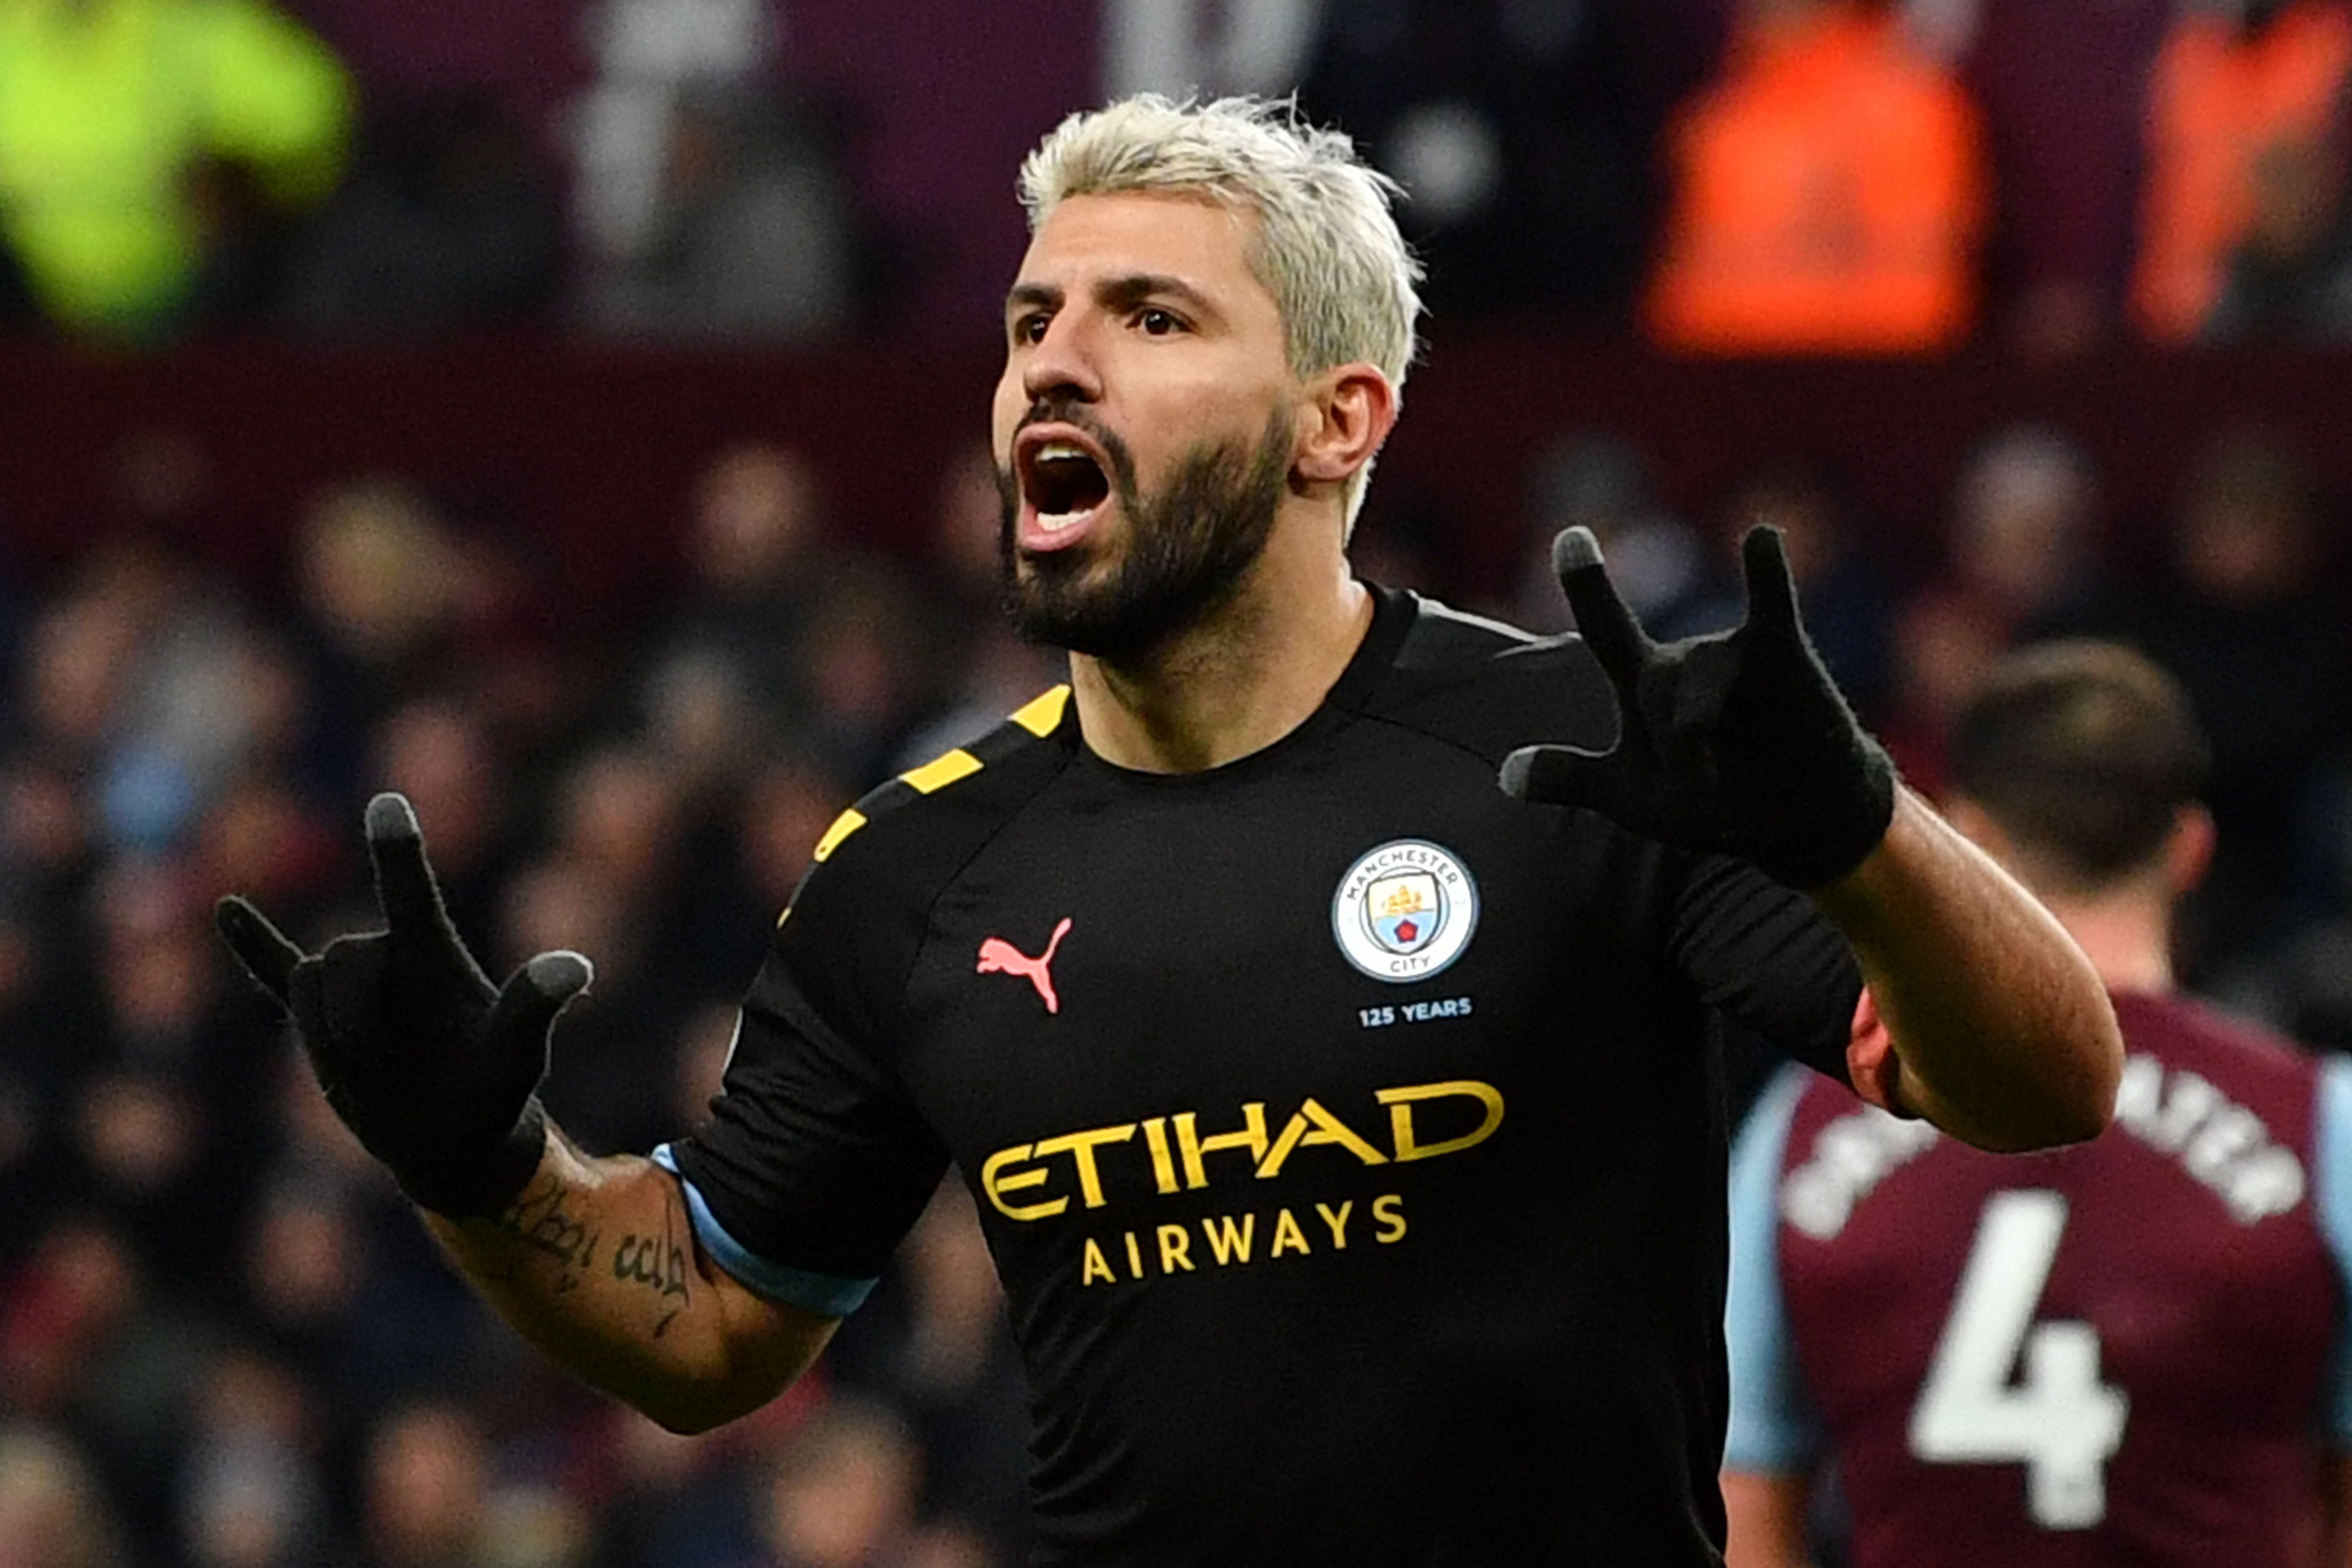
2111	1353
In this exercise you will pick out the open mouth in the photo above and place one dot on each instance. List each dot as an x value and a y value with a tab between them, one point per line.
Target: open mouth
1064	482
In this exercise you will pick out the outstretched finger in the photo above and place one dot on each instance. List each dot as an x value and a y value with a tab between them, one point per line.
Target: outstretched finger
404	889
1771	595
267	955
1604	619
531	997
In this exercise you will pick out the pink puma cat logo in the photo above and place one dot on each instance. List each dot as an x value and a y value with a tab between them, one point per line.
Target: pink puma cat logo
998	956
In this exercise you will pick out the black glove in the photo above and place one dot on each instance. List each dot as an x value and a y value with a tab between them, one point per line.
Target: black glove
436	1071
1737	744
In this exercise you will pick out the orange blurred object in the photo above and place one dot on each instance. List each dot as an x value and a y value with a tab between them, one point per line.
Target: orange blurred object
1829	192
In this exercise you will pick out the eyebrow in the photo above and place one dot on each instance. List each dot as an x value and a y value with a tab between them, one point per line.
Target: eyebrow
1119	293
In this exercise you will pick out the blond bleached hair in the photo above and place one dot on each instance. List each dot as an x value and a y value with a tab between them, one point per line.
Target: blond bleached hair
1326	246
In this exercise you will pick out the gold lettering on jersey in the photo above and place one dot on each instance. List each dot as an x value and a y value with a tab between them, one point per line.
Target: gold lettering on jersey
1313	1125
1163	1169
1175	1249
1401	1101
996	1181
1229	1242
1082	1145
1251	1137
1425	1120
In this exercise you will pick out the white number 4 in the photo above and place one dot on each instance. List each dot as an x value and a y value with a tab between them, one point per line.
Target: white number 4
2060	1421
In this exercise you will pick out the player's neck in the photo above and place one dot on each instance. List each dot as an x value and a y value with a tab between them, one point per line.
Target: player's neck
1238	681
2127	937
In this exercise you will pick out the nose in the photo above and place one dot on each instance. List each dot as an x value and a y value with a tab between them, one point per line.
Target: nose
1061	364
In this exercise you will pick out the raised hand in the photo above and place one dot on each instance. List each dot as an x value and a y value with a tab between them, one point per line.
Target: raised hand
1738	743
437	1070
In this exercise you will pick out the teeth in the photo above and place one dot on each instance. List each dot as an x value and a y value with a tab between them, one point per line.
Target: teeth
1055	450
1054	522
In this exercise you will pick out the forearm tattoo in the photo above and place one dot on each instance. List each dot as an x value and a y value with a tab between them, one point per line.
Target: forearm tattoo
659	1264
540	1221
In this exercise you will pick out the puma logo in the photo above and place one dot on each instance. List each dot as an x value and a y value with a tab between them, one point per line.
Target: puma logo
998	956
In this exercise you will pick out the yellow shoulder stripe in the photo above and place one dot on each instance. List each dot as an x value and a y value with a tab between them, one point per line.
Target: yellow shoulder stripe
847	823
942	771
1042	715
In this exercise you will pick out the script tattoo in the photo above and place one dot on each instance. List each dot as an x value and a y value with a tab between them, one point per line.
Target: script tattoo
658	1263
537	1220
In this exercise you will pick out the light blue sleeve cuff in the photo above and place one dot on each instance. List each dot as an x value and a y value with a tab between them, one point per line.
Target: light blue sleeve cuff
1773	1429
827	1295
2331	1159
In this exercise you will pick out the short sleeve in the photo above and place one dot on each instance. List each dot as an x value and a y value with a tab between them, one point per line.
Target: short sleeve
1773	1429
815	1163
1763	953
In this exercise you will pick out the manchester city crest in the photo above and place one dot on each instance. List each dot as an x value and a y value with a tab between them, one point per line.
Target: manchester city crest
1406	911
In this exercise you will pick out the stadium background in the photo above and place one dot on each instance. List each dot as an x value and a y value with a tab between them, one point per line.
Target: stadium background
593	451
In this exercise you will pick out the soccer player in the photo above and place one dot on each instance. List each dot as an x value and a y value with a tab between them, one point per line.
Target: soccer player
2127	1352
1347	1129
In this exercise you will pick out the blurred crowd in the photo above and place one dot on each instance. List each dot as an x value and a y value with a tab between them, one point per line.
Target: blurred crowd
1731	176
223	1341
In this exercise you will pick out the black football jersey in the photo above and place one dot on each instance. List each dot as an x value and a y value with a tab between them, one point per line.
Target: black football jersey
1349	1135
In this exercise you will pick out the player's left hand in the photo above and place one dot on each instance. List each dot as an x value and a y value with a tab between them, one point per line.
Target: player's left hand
1737	744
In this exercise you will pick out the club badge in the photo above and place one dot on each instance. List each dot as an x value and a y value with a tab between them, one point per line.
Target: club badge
1404	912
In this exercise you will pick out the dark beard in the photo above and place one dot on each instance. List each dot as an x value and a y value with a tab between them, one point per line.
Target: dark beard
1188	548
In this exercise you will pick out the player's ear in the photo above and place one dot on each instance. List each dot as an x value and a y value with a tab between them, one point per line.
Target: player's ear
2188	848
1348	412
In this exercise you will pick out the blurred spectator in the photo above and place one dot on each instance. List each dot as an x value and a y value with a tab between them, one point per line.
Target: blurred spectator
1176	46
2240	84
2063	92
438	752
1829	192
707	202
978	671
425	1489
52	1514
2290	277
756	565
2023	542
751	238
1521	131
957	1374
1841	583
90	1341
1944	639
374	575
145	145
1598	481
2249	618
251	1494
843	1489
445	221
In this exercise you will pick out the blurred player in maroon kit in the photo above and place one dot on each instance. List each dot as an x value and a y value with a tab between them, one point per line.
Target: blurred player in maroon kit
2128	1351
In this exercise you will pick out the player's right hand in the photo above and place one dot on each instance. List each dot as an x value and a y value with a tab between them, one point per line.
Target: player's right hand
434	1069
